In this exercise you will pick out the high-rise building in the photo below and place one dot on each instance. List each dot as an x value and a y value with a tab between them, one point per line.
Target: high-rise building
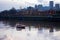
40	7
51	4
36	6
56	6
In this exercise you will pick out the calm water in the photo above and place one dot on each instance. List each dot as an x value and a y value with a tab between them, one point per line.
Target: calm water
32	31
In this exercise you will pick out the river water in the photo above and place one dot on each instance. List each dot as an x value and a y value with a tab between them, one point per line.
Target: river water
32	30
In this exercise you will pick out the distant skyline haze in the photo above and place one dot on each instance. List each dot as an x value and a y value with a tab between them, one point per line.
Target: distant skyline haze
8	4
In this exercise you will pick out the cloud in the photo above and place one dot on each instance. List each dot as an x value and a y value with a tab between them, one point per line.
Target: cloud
40	0
8	4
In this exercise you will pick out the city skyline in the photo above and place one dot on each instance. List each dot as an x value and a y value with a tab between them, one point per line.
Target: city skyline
6	5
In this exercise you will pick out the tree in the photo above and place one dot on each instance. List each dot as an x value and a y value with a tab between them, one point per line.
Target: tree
12	12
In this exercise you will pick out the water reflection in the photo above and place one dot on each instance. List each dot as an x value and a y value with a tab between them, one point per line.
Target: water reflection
51	29
29	30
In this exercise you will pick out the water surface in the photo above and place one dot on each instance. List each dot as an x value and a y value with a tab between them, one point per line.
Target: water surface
32	31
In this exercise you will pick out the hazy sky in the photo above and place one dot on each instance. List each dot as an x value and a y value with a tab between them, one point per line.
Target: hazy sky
8	4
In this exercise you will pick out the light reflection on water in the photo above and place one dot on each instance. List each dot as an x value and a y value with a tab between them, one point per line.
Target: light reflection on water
29	33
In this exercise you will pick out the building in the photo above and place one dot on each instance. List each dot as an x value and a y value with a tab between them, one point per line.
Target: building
36	6
51	4
40	7
57	6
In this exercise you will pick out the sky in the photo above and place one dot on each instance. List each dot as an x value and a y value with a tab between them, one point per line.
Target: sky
8	4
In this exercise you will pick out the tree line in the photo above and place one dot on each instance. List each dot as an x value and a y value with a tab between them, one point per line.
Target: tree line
30	11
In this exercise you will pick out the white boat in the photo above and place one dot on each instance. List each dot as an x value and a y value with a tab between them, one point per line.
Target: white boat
20	26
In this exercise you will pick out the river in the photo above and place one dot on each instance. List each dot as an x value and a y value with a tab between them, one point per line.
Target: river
32	31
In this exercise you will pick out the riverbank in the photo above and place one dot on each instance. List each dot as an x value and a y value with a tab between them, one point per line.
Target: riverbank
31	18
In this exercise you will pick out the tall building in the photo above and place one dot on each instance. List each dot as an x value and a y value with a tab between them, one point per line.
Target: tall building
36	6
51	4
57	6
40	7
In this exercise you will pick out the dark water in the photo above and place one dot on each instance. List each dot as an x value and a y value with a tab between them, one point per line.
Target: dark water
33	30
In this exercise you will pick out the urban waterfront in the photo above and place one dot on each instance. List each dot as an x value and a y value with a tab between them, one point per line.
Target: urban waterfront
34	30
33	20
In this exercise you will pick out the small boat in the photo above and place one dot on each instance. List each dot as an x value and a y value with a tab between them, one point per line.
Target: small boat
19	26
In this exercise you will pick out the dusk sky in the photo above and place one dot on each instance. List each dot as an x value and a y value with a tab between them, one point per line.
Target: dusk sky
8	4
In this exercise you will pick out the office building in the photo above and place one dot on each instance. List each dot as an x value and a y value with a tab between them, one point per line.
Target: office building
57	6
51	4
